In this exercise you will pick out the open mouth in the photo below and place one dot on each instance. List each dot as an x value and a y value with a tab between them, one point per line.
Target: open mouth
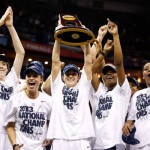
31	84
71	79
109	77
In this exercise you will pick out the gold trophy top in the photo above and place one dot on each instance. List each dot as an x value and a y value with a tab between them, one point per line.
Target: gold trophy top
71	31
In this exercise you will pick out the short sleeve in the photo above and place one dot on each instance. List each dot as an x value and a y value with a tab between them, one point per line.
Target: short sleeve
58	81
12	76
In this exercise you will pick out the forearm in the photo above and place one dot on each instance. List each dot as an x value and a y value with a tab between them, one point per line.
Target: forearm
16	41
46	86
18	49
88	61
130	122
56	52
87	54
100	37
98	64
118	56
11	134
97	46
55	61
93	51
97	69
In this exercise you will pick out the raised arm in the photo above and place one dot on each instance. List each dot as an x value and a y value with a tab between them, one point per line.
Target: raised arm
96	47
56	66
98	42
87	61
16	41
2	20
47	85
55	60
118	56
99	63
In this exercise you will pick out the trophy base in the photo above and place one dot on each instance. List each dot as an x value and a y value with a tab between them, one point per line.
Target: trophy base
74	36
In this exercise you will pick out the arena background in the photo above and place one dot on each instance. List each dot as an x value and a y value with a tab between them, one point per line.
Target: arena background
35	22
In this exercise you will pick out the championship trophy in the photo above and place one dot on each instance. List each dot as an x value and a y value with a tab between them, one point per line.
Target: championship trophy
71	32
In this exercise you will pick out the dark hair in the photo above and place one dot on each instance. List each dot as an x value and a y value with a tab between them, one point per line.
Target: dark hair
8	67
5	59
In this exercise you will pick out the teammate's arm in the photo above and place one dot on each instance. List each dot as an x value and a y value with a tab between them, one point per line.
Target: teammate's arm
16	42
12	135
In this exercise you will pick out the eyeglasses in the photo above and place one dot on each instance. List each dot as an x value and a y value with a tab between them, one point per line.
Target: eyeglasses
71	73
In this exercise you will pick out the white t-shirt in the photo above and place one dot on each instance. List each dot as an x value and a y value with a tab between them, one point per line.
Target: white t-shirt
140	112
7	89
21	84
71	118
109	112
30	117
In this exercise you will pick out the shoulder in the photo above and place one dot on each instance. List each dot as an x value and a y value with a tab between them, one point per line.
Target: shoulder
43	94
46	98
17	96
142	92
125	86
11	72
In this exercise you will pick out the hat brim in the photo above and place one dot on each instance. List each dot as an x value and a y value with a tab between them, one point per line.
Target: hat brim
71	69
130	138
75	70
130	79
28	70
3	58
108	68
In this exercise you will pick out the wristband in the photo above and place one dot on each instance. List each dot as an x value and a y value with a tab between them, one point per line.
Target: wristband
102	53
15	146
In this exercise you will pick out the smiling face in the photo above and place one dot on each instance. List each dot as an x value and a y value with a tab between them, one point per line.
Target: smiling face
33	81
146	74
3	69
110	79
71	78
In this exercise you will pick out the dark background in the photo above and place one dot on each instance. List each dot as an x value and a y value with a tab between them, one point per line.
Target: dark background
35	21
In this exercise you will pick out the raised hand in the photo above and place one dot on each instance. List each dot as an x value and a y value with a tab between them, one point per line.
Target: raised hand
59	25
85	48
7	12
102	32
9	19
112	27
108	46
